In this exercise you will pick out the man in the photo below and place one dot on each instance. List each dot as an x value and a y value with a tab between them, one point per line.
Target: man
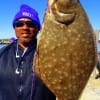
17	79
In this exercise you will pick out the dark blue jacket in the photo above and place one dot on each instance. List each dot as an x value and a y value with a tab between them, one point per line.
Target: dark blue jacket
25	86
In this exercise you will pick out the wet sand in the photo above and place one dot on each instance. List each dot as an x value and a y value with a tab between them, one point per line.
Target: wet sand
92	89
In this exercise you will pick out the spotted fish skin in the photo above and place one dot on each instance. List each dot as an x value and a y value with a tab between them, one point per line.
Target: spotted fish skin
66	53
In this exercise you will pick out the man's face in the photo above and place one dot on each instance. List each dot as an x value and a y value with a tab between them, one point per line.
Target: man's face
25	30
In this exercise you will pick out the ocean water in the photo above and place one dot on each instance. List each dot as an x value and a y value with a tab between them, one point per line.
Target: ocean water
2	45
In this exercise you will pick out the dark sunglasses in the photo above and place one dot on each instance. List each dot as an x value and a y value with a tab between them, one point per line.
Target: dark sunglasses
30	24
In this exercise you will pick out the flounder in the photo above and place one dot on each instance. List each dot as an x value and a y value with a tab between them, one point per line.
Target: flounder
66	49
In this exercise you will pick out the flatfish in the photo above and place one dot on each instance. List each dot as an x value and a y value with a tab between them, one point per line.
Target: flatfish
66	49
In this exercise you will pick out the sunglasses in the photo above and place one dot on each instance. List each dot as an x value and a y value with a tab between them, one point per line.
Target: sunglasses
30	24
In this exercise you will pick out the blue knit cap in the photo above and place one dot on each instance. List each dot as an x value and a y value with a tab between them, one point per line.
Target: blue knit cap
27	12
